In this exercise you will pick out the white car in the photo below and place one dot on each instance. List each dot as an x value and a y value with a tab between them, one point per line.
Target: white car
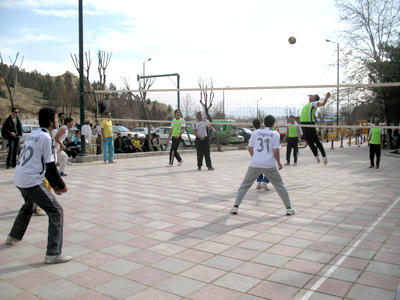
163	132
241	139
125	131
142	130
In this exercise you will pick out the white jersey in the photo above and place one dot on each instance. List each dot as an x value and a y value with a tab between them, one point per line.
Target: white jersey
37	152
264	141
62	137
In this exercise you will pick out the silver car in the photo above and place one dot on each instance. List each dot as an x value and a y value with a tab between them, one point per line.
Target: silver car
163	132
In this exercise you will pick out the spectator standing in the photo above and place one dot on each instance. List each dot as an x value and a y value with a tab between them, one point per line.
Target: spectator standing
12	131
202	141
86	131
61	119
107	136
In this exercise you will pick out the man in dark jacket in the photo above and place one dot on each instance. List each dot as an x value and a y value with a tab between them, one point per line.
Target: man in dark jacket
12	131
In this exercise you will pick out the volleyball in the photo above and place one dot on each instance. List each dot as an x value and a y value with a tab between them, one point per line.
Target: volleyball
292	40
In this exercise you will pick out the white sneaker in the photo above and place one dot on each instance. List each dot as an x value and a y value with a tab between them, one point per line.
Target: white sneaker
10	240
234	210
56	259
105	162
180	163
325	160
295	164
317	158
290	211
169	165
69	163
112	162
265	186
258	186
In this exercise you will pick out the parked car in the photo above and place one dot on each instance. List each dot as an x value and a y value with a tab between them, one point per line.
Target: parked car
125	131
245	133
241	139
27	130
163	132
143	130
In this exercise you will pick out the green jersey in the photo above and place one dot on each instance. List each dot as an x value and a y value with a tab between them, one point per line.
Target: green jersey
308	112
293	131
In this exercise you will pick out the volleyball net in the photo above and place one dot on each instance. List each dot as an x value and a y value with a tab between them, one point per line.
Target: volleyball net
344	114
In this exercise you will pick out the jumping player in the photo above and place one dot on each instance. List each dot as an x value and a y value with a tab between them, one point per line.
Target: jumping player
310	133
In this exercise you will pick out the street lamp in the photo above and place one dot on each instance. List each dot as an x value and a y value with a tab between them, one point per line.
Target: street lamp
223	102
257	108
144	70
337	88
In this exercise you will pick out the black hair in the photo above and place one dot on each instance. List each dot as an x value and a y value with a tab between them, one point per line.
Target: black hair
106	113
269	121
46	115
13	109
67	120
257	123
317	97
291	116
60	114
177	110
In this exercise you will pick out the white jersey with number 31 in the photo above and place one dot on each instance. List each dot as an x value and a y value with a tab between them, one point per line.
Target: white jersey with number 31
264	141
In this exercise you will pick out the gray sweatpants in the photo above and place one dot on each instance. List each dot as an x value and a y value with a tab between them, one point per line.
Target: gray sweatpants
273	176
40	195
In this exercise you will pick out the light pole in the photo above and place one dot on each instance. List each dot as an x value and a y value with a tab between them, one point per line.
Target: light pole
337	88
257	108
223	102
144	70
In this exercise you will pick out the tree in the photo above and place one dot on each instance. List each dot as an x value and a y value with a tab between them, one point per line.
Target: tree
10	76
188	107
372	26
206	101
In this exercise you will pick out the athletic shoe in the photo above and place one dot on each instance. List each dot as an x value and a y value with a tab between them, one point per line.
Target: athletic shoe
377	167
287	164
290	211
69	163
211	169
258	186
63	174
10	240
199	169
265	186
105	162
317	158
325	160
7	167
180	163
234	210
112	162
295	164
371	166
56	259
169	165
39	212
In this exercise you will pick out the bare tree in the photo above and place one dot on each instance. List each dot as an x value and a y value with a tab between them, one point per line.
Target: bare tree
144	85
206	101
189	107
104	60
10	76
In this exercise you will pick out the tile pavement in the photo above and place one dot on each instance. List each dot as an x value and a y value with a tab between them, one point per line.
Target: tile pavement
139	230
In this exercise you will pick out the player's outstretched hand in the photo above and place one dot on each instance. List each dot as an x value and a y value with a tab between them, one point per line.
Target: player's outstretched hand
328	95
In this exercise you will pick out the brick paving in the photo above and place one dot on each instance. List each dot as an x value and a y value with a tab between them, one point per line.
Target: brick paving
139	230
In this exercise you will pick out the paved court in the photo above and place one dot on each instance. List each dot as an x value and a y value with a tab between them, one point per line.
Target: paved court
139	230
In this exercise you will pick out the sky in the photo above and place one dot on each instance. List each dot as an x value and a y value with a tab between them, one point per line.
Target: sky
236	43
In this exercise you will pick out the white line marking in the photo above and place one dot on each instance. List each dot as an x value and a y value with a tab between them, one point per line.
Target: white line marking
352	248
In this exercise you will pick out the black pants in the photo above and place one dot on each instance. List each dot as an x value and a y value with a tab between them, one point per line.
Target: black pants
203	150
174	151
311	137
375	150
40	195
13	145
293	143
